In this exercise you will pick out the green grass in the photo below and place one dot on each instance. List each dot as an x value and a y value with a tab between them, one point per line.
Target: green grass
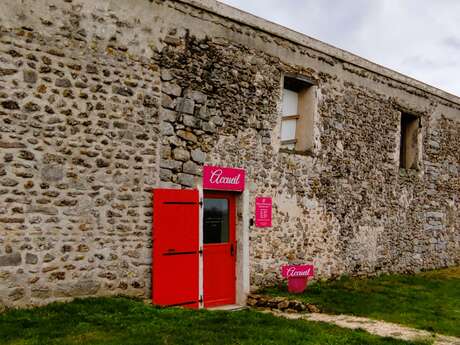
429	300
125	321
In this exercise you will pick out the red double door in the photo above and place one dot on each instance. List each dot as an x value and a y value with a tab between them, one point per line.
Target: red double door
177	251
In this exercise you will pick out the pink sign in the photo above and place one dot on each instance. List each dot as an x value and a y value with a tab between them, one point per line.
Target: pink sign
219	178
297	271
263	212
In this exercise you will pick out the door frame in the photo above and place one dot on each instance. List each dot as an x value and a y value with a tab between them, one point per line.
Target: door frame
243	215
200	246
232	224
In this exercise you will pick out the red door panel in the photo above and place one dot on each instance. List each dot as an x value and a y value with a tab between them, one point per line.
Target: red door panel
175	247
219	249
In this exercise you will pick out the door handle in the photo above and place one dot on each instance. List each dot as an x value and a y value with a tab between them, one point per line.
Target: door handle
232	250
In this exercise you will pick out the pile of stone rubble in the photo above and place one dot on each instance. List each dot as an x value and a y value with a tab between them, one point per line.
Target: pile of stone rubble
281	303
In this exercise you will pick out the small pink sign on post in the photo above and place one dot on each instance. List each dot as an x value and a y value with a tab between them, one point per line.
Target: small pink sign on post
297	276
220	178
263	212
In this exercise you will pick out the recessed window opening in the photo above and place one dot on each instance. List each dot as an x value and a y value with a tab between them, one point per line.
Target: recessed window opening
298	107
290	116
408	154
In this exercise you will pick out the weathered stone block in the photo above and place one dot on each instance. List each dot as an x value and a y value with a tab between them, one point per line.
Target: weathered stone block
10	260
62	82
7	71
165	174
435	215
171	164
23	174
11	220
192	168
31	107
16	294
49	269
27	155
44	69
102	163
198	156
165	152
197	96
180	154
80	288
185	105
171	40
30	76
11	105
434	144
186	180
217	120
57	276
433	227
122	90
149	101
80	84
171	89
168	115
11	145
56	52
31	259
203	113
8	182
8	157
83	248
208	127
48	257
66	202
51	211
191	121
166	129
189	136
41	292
52	173
166	75
167	101
91	69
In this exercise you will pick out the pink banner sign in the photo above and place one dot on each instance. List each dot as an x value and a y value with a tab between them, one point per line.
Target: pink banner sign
263	212
297	271
220	178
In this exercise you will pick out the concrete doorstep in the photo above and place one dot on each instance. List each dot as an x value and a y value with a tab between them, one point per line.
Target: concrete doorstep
376	327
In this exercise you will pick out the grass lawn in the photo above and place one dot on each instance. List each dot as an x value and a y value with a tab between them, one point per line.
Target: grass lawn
125	321
429	300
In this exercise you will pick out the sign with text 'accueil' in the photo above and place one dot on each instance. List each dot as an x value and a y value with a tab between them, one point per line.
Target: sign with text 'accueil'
220	178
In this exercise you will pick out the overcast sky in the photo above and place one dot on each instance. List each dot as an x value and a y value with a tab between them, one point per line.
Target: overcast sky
419	38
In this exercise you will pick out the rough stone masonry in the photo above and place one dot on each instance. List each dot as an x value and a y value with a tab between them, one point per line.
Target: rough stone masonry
101	101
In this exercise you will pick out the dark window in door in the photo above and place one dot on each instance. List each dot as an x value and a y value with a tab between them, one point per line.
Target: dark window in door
215	225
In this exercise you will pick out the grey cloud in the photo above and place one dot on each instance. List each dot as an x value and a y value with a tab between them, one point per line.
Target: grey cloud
452	42
423	62
419	61
418	38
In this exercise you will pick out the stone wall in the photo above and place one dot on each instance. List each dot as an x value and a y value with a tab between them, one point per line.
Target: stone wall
101	102
78	139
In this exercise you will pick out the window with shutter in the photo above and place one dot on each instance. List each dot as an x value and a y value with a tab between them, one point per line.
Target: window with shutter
298	112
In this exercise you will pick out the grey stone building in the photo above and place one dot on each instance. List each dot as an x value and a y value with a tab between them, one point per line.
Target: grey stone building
102	102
